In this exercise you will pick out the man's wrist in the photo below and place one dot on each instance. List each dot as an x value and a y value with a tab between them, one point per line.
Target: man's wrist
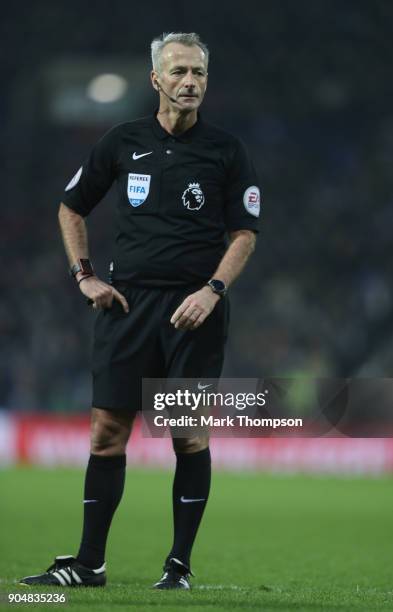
210	292
83	267
81	277
217	286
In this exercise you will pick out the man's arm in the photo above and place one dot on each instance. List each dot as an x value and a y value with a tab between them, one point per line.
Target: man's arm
74	233
196	307
242	244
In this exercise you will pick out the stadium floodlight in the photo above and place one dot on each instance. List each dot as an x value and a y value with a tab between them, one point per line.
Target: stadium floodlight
106	88
90	91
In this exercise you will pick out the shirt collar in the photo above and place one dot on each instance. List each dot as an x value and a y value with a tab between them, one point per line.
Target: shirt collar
186	136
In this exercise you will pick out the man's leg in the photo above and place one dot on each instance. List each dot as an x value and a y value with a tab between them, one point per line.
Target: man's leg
190	493
197	354
104	485
104	482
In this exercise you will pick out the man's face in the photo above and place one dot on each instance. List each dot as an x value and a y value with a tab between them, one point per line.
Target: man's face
183	75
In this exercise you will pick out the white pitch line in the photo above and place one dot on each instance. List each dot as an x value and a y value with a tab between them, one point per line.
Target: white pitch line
221	587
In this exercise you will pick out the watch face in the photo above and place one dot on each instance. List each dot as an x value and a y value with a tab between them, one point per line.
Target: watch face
85	266
217	286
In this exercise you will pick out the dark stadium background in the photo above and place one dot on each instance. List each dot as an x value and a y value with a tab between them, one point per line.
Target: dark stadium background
292	523
306	85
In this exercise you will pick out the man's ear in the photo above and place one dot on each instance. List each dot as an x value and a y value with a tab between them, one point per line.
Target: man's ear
154	80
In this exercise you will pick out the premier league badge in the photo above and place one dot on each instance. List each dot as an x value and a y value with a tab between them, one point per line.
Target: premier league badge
138	188
193	197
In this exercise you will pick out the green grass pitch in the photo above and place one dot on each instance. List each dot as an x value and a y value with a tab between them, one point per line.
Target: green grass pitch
267	542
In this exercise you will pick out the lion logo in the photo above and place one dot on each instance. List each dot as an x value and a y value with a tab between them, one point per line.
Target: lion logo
193	197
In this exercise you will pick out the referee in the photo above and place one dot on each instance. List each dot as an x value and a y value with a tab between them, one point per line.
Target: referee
186	220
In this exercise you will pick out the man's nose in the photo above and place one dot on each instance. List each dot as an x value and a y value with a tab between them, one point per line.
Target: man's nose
189	81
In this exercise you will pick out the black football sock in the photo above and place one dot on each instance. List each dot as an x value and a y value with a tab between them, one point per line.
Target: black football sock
104	485
190	493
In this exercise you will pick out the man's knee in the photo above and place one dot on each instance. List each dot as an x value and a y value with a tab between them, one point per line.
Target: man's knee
109	432
190	445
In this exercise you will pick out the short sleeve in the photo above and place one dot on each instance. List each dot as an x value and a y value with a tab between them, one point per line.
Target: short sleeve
242	194
94	177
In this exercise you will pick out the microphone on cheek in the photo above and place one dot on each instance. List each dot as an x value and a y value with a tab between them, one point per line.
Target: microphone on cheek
164	92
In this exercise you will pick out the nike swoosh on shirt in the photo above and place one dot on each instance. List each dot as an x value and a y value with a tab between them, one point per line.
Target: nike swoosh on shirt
189	501
136	156
201	387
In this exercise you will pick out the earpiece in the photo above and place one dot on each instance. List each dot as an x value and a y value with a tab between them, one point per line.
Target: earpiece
164	92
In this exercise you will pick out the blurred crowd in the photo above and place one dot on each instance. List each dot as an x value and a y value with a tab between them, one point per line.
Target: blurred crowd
307	86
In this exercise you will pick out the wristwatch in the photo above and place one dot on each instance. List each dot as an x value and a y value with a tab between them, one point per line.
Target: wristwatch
84	266
217	286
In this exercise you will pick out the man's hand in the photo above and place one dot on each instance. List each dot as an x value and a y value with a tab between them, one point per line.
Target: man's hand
194	309
101	293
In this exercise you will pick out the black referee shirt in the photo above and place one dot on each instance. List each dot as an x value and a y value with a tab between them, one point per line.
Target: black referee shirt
178	196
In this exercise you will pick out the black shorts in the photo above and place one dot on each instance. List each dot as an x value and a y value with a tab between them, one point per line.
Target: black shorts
144	344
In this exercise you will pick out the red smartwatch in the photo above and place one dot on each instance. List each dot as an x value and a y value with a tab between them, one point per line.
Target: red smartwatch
84	266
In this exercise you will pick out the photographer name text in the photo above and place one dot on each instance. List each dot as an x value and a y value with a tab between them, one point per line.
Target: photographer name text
228	421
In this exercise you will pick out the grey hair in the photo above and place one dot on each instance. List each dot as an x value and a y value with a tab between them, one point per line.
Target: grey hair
189	40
